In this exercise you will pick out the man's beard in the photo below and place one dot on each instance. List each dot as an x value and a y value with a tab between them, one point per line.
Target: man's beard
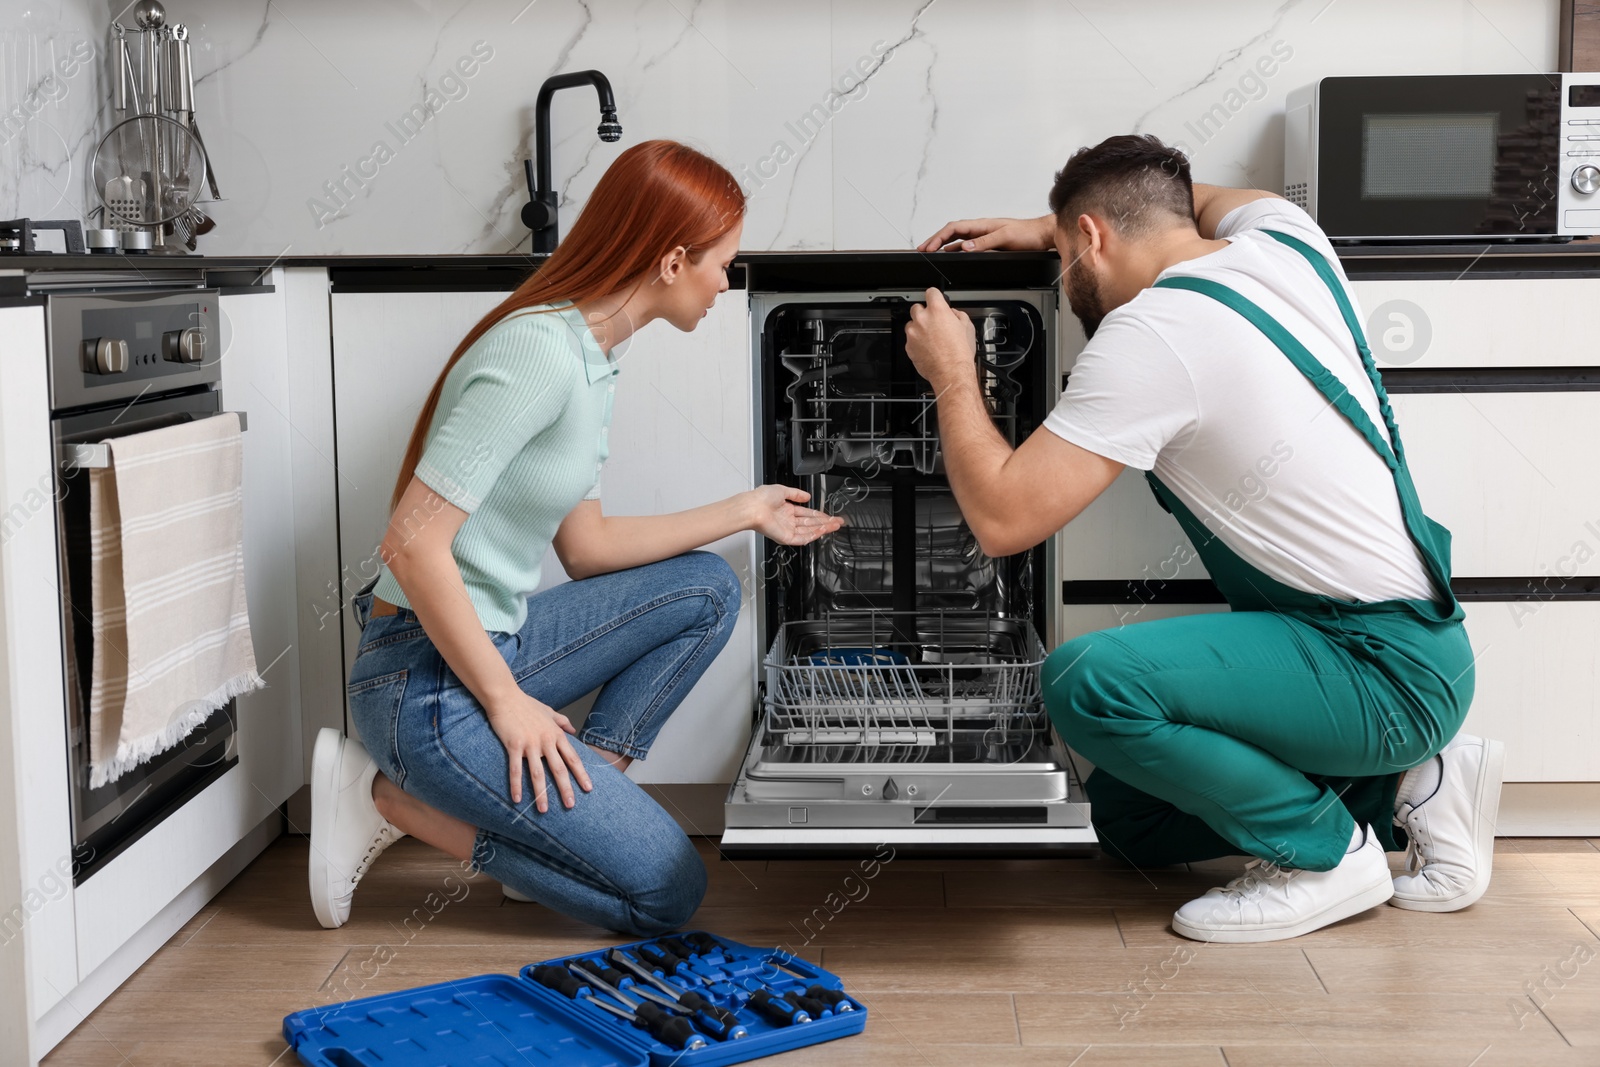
1083	294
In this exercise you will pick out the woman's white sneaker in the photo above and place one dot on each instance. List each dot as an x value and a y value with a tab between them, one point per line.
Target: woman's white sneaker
1272	903
347	831
1452	831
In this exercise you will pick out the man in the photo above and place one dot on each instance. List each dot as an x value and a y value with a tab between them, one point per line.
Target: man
1224	348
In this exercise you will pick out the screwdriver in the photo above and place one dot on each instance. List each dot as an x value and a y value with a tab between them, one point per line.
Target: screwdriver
775	1009
676	947
807	1005
671	1030
663	960
578	968
833	998
703	942
709	1017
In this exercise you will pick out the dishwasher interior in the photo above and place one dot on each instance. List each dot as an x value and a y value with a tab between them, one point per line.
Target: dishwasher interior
899	696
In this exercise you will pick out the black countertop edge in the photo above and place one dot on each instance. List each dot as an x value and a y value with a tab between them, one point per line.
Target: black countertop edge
806	271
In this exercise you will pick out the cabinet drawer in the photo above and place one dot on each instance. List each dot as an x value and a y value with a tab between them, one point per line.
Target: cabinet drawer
1511	475
1526	322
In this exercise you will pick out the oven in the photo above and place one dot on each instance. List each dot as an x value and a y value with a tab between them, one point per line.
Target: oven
1498	156
122	364
899	694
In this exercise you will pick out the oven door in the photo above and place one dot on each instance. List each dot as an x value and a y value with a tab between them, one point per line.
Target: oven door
1439	156
110	818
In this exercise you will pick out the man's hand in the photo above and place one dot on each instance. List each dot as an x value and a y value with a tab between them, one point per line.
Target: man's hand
981	235
941	342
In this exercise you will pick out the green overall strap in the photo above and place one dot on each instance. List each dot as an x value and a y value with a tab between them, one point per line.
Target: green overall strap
1431	539
1325	271
1329	386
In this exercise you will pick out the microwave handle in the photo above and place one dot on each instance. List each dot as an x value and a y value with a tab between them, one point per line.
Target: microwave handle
81	457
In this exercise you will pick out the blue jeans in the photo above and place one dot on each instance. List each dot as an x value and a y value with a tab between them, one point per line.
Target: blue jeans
644	636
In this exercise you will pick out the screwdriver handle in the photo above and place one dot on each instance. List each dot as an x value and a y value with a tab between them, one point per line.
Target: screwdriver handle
660	958
695	1002
676	947
703	942
720	1029
776	1010
833	998
809	1005
673	1030
557	978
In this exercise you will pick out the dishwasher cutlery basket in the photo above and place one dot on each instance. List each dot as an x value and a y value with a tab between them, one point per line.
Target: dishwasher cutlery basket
875	678
513	1020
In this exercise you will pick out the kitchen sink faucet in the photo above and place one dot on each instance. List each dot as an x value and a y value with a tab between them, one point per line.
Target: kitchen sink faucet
539	214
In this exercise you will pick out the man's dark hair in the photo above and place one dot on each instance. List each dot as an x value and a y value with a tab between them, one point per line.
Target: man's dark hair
1133	181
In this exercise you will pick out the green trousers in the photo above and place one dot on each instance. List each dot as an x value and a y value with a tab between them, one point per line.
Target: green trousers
1256	731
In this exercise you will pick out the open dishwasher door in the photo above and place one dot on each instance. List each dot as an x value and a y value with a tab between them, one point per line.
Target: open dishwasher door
900	695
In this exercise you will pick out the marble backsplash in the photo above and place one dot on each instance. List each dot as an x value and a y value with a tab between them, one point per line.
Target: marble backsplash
383	126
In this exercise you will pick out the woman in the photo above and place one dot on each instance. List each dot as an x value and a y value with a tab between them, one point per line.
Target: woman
460	669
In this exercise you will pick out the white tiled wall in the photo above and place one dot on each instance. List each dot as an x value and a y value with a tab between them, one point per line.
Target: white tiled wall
970	111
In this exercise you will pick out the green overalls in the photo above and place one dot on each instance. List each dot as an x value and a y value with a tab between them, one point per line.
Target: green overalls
1274	729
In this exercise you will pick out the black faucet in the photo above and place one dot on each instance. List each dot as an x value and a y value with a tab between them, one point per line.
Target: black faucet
539	214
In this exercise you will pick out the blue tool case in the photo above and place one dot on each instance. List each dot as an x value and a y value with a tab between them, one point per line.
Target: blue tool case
548	1012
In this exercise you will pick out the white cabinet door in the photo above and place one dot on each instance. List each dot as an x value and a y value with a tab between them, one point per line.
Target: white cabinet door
37	934
1538	665
1511	475
388	348
681	435
255	380
1478	322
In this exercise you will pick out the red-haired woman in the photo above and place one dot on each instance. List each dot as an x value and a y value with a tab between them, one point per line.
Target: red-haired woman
460	667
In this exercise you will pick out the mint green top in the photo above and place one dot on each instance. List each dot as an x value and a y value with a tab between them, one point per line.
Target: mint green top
517	441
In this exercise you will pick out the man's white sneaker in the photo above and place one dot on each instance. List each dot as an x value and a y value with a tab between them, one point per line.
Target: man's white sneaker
512	894
1271	903
1452	831
347	832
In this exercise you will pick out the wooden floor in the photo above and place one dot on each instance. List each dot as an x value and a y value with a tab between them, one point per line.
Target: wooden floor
990	962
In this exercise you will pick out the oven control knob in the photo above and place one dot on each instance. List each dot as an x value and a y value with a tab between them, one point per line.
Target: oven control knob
1586	179
106	355
890	790
184	346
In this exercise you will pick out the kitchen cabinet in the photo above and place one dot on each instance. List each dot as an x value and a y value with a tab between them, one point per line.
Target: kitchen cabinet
38	964
681	435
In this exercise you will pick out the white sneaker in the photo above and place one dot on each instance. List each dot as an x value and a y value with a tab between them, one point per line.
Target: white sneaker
512	894
347	832
1271	903
1452	831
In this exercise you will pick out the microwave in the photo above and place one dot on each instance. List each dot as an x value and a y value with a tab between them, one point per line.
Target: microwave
1442	157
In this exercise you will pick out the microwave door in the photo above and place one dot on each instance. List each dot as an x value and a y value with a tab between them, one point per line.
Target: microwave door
1447	156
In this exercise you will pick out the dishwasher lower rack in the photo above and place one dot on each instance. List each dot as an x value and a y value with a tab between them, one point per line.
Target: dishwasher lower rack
885	679
919	731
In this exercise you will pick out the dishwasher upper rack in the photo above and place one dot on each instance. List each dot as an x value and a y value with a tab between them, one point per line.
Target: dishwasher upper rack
847	678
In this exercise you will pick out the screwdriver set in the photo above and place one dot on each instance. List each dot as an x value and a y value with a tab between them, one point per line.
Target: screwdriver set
689	998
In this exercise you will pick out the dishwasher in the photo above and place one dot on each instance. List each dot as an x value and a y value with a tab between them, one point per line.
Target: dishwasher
898	698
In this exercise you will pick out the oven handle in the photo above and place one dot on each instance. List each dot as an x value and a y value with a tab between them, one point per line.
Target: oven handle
80	457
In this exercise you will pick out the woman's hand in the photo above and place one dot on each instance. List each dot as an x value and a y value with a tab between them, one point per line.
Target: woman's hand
776	514
534	733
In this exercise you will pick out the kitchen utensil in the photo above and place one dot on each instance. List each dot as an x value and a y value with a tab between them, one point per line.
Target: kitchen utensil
164	153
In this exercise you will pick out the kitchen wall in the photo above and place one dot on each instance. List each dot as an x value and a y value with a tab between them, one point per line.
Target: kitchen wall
378	126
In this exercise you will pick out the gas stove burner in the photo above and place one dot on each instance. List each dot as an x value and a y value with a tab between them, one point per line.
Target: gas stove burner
17	236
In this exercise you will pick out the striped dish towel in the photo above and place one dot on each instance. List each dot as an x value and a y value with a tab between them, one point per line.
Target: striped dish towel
172	633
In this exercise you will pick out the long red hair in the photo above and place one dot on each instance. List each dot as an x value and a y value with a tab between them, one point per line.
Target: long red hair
657	196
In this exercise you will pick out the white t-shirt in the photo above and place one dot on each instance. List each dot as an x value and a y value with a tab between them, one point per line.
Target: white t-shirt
1175	382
